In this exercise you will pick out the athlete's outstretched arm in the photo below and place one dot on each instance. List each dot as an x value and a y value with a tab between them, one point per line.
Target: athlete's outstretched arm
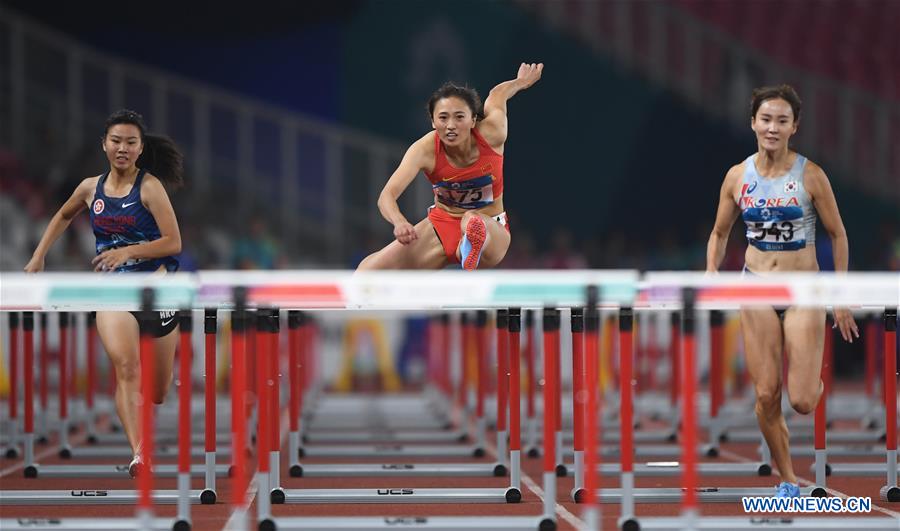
725	216
60	222
156	200
819	188
415	159
494	125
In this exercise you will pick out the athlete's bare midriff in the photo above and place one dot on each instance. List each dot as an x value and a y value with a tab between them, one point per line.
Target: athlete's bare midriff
767	261
494	209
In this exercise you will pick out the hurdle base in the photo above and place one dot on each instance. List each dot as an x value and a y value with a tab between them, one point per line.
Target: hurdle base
704	494
89	497
854	469
500	470
513	495
181	525
890	493
673	468
400	495
786	522
628	523
208	497
401	470
276	496
86	524
711	450
578	494
431	523
818	492
296	471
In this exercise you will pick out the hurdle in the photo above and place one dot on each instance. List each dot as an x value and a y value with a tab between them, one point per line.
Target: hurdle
690	517
669	468
435	495
143	497
395	443
549	400
210	470
32	469
541	522
11	448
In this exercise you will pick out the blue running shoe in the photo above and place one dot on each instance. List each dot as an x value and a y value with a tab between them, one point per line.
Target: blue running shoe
787	490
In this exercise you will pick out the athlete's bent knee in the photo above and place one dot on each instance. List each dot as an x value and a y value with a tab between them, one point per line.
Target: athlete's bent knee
804	405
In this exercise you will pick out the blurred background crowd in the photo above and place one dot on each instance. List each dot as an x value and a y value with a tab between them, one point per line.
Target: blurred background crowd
292	115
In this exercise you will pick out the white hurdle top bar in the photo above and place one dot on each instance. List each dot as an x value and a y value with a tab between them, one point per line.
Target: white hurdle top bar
441	290
383	290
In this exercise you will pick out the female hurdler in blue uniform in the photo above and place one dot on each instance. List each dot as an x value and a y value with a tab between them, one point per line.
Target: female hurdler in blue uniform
136	230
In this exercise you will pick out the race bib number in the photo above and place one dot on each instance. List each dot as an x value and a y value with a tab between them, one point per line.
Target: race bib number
775	229
470	194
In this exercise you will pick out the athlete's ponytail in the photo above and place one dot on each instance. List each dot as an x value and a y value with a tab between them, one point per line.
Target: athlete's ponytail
160	157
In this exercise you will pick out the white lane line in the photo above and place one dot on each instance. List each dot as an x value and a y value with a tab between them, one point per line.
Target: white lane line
37	458
563	513
808	483
239	519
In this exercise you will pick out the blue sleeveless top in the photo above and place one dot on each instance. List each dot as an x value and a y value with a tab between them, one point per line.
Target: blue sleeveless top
778	211
122	221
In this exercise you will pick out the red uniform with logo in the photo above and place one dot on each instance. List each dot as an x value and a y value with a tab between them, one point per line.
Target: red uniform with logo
472	187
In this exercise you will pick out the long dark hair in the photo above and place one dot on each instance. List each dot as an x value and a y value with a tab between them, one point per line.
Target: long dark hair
451	90
161	156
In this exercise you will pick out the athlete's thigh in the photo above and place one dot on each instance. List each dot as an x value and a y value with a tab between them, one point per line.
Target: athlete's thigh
426	252
804	340
120	334
761	329
499	243
164	348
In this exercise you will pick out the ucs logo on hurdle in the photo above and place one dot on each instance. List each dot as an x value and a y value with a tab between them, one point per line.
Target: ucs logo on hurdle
409	520
394	492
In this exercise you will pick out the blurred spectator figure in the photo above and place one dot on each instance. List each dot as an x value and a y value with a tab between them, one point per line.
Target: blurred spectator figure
562	254
257	248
